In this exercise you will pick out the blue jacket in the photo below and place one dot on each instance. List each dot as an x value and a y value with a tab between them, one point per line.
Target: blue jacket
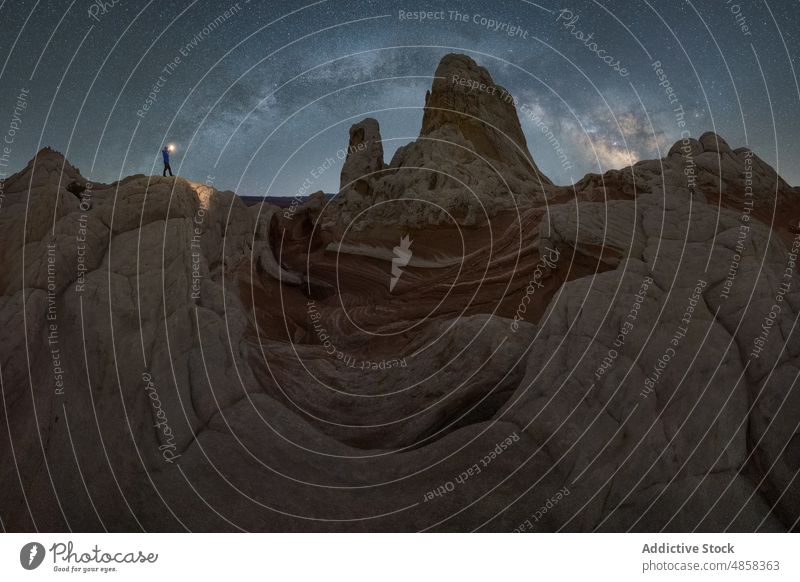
165	154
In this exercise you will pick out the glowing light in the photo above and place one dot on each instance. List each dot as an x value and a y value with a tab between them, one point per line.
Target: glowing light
171	147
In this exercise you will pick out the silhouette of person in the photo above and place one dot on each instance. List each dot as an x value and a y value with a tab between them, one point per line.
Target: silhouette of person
165	155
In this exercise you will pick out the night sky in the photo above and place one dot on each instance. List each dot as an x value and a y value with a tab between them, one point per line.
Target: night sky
269	92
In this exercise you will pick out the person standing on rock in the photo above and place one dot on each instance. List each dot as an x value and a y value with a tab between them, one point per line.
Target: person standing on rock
165	155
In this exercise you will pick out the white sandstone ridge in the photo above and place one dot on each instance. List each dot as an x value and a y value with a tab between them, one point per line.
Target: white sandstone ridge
383	253
50	203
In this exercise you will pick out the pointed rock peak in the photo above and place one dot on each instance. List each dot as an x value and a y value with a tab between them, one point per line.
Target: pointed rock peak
465	97
47	156
463	89
364	157
50	165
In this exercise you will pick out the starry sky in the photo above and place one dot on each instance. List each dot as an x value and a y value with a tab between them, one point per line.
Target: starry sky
256	94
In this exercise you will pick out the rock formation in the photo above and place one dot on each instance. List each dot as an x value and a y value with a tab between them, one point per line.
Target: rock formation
464	100
364	160
471	159
173	360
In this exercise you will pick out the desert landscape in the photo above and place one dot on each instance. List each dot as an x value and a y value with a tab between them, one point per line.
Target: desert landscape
453	342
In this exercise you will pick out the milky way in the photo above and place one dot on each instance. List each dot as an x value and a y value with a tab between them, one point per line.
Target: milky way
256	94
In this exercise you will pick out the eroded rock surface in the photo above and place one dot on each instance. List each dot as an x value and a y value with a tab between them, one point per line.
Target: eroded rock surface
625	356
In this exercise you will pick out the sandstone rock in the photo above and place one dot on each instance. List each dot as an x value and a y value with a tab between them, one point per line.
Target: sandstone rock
206	366
471	159
364	160
711	142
